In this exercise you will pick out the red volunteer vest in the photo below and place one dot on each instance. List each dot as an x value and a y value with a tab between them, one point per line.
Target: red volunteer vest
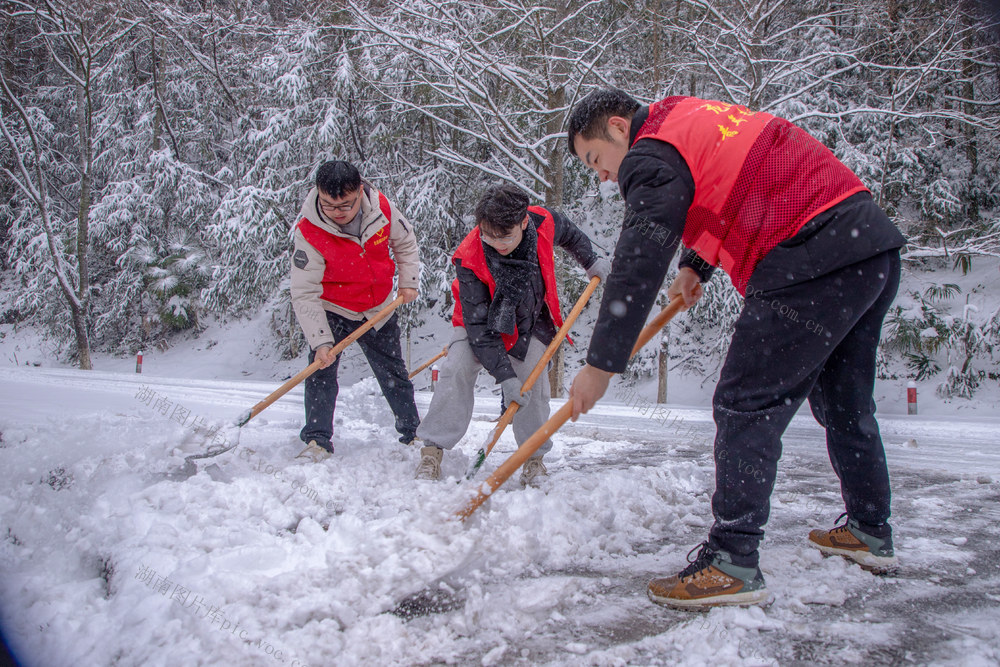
470	252
757	179
357	277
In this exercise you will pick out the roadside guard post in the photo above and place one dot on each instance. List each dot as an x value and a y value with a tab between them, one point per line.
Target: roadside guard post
911	398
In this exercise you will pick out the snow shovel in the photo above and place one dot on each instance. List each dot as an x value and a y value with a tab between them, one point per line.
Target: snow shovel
228	443
314	366
441	594
556	421
508	415
442	353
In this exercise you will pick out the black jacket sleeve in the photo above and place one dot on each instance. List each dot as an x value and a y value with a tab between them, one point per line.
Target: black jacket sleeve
569	237
658	190
486	344
693	261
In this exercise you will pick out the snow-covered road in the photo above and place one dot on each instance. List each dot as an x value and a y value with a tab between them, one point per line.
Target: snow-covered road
263	560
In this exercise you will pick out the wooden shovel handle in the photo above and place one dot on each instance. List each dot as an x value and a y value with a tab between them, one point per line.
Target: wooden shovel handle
442	353
315	365
560	335
508	415
556	421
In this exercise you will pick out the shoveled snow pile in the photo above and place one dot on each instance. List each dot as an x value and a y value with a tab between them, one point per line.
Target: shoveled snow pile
112	556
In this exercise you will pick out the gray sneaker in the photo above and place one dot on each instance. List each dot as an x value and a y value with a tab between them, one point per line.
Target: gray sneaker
534	472
430	463
315	452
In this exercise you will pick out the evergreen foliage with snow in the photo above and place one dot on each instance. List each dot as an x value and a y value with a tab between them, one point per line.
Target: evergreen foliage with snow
155	155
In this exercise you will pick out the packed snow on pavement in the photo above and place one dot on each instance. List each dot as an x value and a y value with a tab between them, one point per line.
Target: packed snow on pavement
113	555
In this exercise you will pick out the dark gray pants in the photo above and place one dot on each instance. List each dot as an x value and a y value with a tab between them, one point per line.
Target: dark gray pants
814	340
385	356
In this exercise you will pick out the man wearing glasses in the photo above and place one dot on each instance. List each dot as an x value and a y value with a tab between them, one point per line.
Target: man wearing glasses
506	313
342	274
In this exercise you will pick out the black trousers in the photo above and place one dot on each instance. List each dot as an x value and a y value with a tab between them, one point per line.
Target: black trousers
814	340
385	356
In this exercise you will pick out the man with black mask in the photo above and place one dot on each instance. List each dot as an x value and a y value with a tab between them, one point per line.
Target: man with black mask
506	313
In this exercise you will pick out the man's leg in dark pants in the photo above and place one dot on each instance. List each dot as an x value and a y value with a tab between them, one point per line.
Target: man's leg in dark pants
781	344
842	402
385	355
321	388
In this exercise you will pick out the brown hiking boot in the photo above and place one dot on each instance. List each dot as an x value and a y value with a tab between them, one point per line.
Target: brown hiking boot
430	463
534	472
711	580
874	554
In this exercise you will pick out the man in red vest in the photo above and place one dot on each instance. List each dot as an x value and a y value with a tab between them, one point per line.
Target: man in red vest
818	262
506	313
342	274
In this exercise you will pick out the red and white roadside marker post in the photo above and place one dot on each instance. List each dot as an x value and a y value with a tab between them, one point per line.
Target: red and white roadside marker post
911	398
138	362
434	376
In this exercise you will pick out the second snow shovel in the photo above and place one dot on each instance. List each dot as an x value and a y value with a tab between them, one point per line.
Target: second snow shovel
556	421
442	353
508	415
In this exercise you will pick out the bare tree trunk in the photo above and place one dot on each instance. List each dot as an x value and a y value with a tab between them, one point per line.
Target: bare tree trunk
755	51
969	71
657	52
556	373
293	339
886	161
554	173
35	188
81	311
158	117
893	26
661	386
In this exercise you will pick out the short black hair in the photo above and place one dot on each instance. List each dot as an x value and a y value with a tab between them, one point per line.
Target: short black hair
337	178
501	208
589	118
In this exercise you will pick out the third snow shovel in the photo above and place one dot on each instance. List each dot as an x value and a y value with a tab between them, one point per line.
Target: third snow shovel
531	445
441	594
508	415
442	353
314	366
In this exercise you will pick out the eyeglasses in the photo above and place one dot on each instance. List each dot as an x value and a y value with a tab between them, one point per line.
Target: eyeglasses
334	208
